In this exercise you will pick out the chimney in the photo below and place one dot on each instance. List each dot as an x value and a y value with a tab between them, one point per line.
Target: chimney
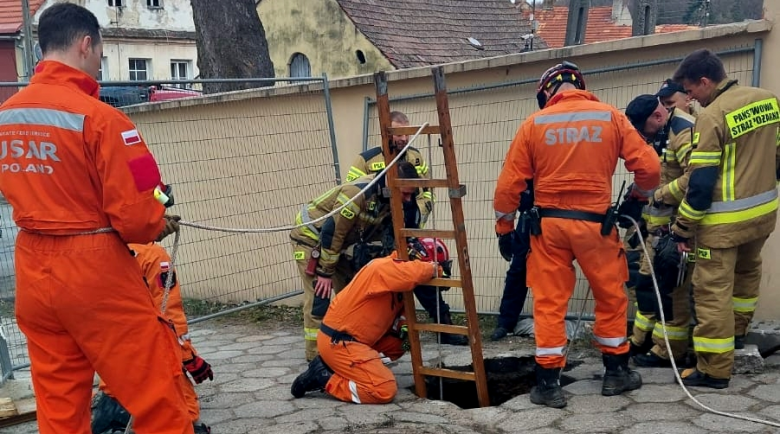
525	7
547	4
621	15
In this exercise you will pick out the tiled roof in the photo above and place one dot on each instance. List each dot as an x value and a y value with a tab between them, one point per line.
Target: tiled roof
600	27
11	14
413	33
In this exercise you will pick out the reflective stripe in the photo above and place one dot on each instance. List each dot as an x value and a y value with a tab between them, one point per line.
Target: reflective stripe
729	162
674	333
610	342
643	323
353	391
354	173
657	216
713	345
422	169
427	195
674	189
573	117
327	257
505	216
745	305
669	155
306	220
705	158
688	212
310	334
552	351
41	116
741	210
682	152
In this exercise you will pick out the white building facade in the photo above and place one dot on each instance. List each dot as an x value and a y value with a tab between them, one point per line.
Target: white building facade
143	39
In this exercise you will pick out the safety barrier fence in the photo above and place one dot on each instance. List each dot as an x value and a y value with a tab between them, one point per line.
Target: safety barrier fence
485	120
232	164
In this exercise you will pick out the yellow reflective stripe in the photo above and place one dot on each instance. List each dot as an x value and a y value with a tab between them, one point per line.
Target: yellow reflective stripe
669	156
688	212
729	161
707	158
343	198
695	139
725	217
674	189
753	116
674	333
327	257
310	334
643	323
427	195
354	173
656	221
422	169
745	305
682	151
305	229
713	345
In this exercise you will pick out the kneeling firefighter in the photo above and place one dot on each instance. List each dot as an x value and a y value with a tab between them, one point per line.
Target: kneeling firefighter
670	132
365	326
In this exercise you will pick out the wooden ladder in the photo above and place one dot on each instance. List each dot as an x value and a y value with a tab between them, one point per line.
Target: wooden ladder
456	191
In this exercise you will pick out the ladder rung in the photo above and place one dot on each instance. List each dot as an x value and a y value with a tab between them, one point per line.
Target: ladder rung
408	131
424	183
452	283
442	328
448	373
425	233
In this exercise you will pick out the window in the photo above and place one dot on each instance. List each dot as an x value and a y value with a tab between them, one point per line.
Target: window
103	73
180	70
299	66
117	3
154	4
139	69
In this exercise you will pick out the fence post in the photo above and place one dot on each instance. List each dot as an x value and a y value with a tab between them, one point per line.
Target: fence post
366	106
331	126
6	369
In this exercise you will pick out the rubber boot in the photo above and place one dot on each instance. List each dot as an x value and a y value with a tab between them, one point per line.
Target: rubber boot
450	339
498	334
548	389
315	378
618	378
201	428
108	415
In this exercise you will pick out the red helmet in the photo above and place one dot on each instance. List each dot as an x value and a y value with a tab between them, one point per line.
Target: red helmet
565	72
428	250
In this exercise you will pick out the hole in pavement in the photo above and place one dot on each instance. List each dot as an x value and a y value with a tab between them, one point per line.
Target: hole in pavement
507	377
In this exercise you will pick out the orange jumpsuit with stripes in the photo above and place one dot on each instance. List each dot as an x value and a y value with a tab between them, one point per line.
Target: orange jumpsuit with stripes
69	165
156	264
571	149
366	310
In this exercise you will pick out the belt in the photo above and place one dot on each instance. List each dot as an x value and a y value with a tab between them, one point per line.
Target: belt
572	215
335	335
304	243
71	234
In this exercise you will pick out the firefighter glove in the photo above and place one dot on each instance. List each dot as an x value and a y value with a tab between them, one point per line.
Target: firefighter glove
681	233
506	245
171	226
631	207
199	369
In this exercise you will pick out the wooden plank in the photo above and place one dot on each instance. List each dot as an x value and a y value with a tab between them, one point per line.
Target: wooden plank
412	130
447	373
452	283
424	233
422	183
442	328
7	408
25	410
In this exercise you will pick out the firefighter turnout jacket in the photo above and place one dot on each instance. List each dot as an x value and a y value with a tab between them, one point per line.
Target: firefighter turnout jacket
372	161
361	220
735	164
675	152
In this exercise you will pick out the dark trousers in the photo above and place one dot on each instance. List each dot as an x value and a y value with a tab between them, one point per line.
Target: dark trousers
515	289
427	296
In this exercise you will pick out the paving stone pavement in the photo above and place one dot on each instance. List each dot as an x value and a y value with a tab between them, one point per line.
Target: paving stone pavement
254	369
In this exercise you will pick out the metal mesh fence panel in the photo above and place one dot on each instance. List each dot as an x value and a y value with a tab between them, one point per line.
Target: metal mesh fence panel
485	120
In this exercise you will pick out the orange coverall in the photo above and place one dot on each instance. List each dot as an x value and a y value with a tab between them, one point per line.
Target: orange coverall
71	164
366	310
570	149
155	264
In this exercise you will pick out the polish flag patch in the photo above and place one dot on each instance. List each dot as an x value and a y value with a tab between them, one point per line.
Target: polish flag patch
131	137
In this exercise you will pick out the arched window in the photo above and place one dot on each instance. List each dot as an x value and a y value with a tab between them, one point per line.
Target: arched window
300	66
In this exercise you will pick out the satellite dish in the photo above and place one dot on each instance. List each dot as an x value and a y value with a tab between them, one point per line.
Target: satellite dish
476	44
38	52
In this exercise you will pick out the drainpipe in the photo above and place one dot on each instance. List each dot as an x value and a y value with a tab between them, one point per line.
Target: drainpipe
27	41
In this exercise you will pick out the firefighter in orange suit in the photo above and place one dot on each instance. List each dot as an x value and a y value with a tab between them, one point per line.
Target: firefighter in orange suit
729	210
570	149
83	185
364	326
156	267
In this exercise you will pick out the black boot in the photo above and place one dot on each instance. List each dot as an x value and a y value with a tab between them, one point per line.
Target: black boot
498	334
548	389
618	378
315	378
201	428
450	339
108	415
739	342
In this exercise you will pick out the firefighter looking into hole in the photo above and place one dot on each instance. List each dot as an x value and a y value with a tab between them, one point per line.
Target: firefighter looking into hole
365	328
